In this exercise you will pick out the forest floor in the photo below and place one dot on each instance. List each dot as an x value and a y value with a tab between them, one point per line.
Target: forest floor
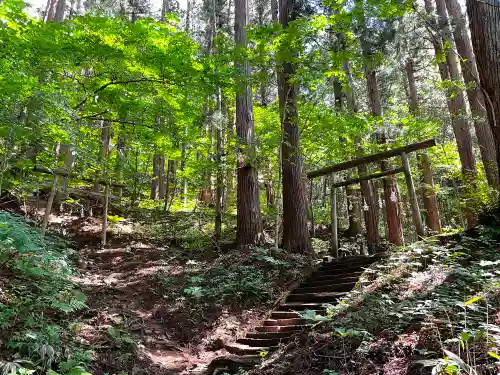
162	299
145	317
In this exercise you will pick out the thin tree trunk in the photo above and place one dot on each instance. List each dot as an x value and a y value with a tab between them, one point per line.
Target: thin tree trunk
103	152
170	183
154	178
189	5
476	100
121	155
295	231
456	107
219	179
354	211
52	195
161	176
484	18
324	191
105	215
429	193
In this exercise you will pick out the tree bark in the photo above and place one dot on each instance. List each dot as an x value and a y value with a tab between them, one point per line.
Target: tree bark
60	9
484	18
103	152
219	178
295	231
429	193
456	106
476	100
154	178
369	209
354	211
51	13
372	236
249	223
161	176
170	183
412	87
394	224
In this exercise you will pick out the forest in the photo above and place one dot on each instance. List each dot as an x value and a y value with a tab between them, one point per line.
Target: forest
250	187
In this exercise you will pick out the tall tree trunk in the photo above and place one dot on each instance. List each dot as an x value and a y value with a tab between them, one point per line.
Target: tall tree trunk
219	179
51	13
295	232
484	17
367	191
60	9
427	181
476	100
249	223
412	87
394	224
456	107
472	202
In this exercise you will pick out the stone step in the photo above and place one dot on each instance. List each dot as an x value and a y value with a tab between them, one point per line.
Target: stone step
315	297
292	314
269	335
332	281
282	329
346	287
344	272
333	277
267	342
242	349
354	259
301	306
341	266
285	322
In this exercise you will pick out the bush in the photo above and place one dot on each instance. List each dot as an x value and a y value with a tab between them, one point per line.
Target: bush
38	295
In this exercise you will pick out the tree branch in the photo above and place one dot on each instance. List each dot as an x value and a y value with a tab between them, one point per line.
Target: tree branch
111	83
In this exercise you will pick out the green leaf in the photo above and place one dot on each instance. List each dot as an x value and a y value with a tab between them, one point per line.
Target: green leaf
494	355
473	300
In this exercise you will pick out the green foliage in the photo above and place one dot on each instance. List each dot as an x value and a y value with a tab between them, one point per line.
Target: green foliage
40	290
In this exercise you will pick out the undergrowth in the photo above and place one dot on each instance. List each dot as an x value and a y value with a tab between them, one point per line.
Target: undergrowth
238	277
423	309
36	302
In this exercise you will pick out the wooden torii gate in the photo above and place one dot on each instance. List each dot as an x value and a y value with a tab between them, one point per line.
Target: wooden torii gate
401	152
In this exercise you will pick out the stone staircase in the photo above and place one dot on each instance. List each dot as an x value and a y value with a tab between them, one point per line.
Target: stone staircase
327	284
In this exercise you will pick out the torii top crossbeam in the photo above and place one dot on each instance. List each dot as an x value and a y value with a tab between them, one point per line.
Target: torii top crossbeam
371	158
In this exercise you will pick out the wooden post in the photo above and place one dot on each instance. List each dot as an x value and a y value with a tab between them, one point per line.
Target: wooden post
333	200
105	215
415	211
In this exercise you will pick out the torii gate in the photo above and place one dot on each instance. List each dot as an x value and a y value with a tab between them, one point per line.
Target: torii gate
401	152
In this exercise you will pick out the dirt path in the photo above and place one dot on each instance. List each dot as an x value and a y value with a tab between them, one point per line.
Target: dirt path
133	323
